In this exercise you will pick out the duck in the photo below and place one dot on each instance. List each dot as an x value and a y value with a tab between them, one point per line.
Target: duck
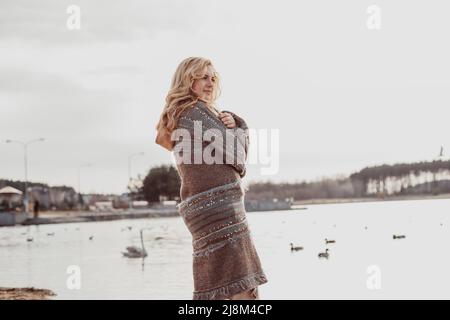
329	241
398	237
325	254
295	248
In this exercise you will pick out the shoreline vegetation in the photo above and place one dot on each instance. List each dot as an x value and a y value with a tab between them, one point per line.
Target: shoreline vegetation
416	180
25	294
401	181
162	183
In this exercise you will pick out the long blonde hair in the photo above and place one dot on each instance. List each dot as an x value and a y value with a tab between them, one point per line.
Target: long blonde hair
181	95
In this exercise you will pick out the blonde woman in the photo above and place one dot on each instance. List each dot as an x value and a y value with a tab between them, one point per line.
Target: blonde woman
225	262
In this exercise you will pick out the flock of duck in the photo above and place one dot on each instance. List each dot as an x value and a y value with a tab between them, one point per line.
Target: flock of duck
326	253
52	234
141	252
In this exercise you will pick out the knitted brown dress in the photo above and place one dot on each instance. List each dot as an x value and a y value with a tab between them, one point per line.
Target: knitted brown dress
225	261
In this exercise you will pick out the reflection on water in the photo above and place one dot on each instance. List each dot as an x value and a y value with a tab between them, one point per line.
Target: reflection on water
414	267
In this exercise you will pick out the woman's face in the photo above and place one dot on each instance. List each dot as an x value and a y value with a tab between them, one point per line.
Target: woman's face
204	87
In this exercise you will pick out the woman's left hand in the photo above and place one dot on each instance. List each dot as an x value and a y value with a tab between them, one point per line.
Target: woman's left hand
227	119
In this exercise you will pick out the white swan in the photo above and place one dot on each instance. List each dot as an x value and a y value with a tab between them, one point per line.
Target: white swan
135	252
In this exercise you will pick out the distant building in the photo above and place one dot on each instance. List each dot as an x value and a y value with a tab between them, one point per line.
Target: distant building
11	206
140	204
102	206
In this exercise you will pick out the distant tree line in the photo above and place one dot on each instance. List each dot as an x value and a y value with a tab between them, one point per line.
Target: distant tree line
429	177
423	178
163	183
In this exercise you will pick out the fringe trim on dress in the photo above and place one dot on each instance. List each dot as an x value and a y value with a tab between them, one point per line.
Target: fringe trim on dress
231	289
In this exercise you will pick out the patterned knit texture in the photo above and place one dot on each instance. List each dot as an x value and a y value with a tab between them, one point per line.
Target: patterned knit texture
225	261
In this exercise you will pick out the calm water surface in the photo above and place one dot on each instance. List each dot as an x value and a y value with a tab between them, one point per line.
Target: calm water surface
416	267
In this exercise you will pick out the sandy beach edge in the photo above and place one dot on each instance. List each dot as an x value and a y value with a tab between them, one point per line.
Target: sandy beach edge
29	293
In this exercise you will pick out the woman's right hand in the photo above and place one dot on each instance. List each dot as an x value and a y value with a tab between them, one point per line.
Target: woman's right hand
227	120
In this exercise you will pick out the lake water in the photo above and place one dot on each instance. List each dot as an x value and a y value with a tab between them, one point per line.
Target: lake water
363	263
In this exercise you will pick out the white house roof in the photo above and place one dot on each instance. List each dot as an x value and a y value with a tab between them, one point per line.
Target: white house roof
10	190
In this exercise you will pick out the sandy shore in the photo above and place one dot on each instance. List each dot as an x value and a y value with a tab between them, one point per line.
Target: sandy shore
25	294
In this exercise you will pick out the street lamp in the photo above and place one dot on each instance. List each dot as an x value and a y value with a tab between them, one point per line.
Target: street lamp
25	145
129	173
79	177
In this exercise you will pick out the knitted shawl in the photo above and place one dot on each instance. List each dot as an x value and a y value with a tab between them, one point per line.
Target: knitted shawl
225	261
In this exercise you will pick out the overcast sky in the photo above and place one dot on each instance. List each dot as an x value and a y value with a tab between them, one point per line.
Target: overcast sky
342	96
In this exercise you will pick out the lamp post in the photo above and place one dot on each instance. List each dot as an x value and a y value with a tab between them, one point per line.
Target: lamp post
25	145
129	173
79	177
